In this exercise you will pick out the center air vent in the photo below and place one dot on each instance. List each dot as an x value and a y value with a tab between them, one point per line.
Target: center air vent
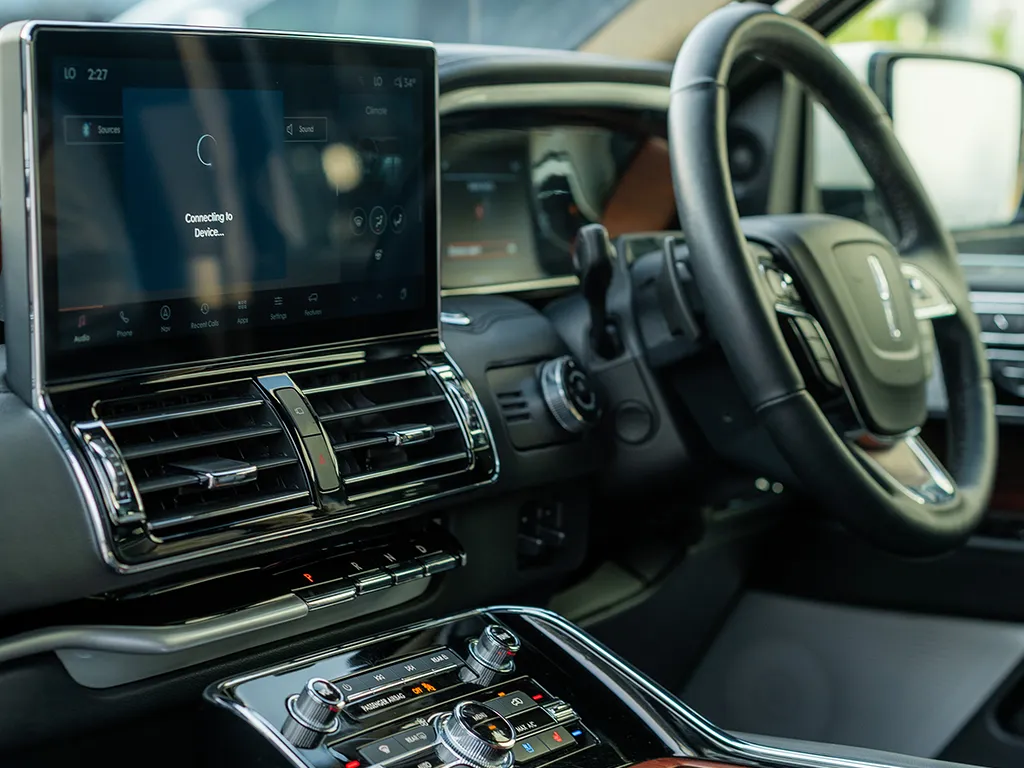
204	459
208	468
391	425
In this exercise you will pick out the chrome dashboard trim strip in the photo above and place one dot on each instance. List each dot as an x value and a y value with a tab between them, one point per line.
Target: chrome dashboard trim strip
32	240
390	378
716	743
143	640
185	412
544	283
592	94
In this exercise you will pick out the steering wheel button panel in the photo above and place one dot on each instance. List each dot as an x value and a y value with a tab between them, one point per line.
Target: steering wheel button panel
829	373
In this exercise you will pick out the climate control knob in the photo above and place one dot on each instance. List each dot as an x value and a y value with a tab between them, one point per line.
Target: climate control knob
495	650
570	394
476	735
312	713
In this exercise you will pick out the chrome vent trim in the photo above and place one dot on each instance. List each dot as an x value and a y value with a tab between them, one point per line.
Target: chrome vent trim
367	416
128	543
183	413
158	440
376	380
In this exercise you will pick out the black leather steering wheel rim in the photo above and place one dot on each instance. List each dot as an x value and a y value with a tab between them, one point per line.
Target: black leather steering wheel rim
746	324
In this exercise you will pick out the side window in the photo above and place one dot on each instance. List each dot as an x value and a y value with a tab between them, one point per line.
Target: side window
945	72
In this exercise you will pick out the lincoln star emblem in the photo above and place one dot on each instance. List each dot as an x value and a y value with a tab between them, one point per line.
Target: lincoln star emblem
882	285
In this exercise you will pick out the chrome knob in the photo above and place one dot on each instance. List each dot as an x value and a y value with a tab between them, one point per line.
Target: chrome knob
569	394
476	735
494	650
312	713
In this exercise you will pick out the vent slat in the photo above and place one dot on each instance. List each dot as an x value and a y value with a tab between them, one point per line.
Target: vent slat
230	424
370	442
183	412
199	441
365	382
369	410
213	511
170	482
424	464
360	409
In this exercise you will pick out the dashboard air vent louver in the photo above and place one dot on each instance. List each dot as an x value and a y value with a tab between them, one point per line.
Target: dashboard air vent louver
391	425
206	458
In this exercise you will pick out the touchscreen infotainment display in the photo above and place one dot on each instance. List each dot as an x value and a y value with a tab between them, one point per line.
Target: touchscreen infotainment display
207	195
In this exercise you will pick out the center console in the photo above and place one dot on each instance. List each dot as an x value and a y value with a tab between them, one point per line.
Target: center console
487	689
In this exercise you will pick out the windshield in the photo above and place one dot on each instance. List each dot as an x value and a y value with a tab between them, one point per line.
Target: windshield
536	23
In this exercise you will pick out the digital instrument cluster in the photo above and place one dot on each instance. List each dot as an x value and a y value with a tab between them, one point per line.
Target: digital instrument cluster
513	201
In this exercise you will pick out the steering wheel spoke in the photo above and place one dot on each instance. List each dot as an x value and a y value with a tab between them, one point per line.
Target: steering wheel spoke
908	466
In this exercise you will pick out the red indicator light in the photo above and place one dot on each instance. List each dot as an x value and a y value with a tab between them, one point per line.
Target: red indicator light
322	459
537	696
352	764
309	577
556	736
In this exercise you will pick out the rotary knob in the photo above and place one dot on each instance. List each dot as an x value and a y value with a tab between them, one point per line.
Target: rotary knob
476	735
495	650
313	713
569	394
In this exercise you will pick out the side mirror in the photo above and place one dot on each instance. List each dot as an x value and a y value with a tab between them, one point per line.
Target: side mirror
961	122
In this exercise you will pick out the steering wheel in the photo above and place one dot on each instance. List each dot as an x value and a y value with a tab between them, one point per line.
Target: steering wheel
830	329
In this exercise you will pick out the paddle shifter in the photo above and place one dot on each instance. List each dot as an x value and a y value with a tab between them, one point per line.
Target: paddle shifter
593	260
